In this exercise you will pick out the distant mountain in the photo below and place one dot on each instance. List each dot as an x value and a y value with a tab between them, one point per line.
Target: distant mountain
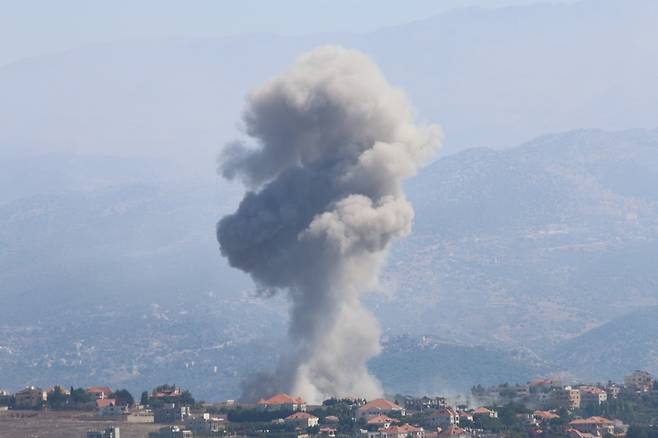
530	245
515	257
426	365
613	349
491	77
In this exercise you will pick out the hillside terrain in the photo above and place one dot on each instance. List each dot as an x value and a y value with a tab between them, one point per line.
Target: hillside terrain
524	261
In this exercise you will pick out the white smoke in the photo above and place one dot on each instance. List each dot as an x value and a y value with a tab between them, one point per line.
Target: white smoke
333	143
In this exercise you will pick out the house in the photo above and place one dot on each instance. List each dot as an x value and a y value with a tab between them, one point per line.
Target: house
592	396
171	432
401	431
171	413
206	424
331	419
443	418
567	398
282	402
639	381
380	421
598	426
379	406
454	432
484	412
613	390
107	407
573	433
166	391
302	419
99	392
465	416
140	416
110	432
424	403
544	416
30	398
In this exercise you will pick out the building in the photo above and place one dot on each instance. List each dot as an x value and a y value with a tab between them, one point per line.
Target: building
443	418
107	407
613	390
205	424
544	416
454	432
166	391
592	396
424	403
282	402
639	381
401	431
302	419
597	426
171	432
465	416
99	392
141	416
567	398
573	433
484	412
379	406
110	432
31	397
381	421
171	413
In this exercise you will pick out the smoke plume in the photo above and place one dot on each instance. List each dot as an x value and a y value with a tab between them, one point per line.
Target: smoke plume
332	142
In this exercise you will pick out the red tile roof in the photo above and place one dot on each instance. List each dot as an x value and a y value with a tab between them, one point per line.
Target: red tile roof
545	415
380	404
445	411
579	434
404	428
381	419
452	431
96	389
281	399
591	389
103	402
592	420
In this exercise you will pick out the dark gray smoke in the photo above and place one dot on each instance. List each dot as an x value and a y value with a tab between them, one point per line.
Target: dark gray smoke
333	142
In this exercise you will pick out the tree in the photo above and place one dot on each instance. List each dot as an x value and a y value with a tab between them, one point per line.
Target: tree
80	396
144	400
123	397
488	423
57	399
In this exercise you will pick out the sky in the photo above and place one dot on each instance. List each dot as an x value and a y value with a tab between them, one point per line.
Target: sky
35	27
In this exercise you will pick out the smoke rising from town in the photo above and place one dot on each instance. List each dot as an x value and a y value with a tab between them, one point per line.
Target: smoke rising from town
331	143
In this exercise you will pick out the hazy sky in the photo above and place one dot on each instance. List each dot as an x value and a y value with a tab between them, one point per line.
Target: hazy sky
34	27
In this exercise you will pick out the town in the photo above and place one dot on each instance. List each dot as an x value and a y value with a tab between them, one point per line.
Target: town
540	408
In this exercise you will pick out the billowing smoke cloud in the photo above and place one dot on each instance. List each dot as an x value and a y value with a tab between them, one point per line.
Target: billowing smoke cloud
333	142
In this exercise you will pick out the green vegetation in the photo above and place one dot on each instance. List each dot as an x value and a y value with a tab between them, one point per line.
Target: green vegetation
123	397
184	398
